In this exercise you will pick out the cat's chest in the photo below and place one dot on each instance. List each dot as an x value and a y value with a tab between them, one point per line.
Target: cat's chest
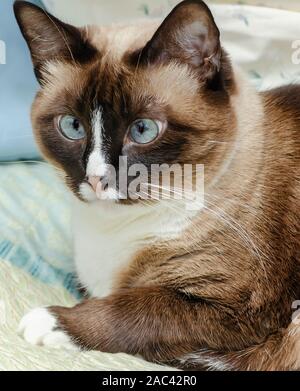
106	240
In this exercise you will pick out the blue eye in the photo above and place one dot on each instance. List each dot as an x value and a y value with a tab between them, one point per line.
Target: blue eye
71	127
143	131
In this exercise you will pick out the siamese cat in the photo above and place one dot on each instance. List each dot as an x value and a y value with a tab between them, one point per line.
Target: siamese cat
212	288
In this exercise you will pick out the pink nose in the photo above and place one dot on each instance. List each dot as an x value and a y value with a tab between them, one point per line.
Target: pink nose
94	181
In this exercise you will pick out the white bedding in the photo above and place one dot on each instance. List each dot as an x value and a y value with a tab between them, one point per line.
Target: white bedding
19	292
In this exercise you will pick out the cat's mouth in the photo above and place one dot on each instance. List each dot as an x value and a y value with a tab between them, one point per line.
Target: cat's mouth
93	192
96	188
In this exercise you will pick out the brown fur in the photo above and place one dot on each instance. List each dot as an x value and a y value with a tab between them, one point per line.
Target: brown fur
220	295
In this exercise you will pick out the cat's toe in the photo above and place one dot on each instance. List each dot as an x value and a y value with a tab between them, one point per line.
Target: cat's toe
39	327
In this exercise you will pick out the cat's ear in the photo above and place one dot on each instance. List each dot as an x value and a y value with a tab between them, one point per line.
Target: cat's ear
48	38
188	35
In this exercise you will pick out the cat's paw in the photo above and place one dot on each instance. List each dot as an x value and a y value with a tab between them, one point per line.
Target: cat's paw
39	327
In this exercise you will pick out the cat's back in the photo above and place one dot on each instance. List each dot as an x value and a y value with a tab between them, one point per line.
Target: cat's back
282	105
282	130
281	162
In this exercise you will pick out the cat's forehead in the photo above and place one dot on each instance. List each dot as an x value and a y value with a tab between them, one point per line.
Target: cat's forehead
112	44
110	75
112	80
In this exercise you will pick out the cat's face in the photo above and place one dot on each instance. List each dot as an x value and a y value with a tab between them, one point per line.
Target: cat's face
150	96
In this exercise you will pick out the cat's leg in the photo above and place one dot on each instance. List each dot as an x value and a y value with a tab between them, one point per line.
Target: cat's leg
157	323
165	326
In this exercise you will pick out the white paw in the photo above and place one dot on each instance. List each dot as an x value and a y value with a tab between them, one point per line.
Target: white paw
39	327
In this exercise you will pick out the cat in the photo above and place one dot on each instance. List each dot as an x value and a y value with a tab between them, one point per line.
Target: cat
211	288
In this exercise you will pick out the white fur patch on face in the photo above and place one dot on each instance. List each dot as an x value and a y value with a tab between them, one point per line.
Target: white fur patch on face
39	327
87	193
96	166
96	161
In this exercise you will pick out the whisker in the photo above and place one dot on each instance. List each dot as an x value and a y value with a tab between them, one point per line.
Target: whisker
231	223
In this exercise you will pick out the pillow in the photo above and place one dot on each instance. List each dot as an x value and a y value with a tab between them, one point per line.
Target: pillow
35	220
18	87
259	39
